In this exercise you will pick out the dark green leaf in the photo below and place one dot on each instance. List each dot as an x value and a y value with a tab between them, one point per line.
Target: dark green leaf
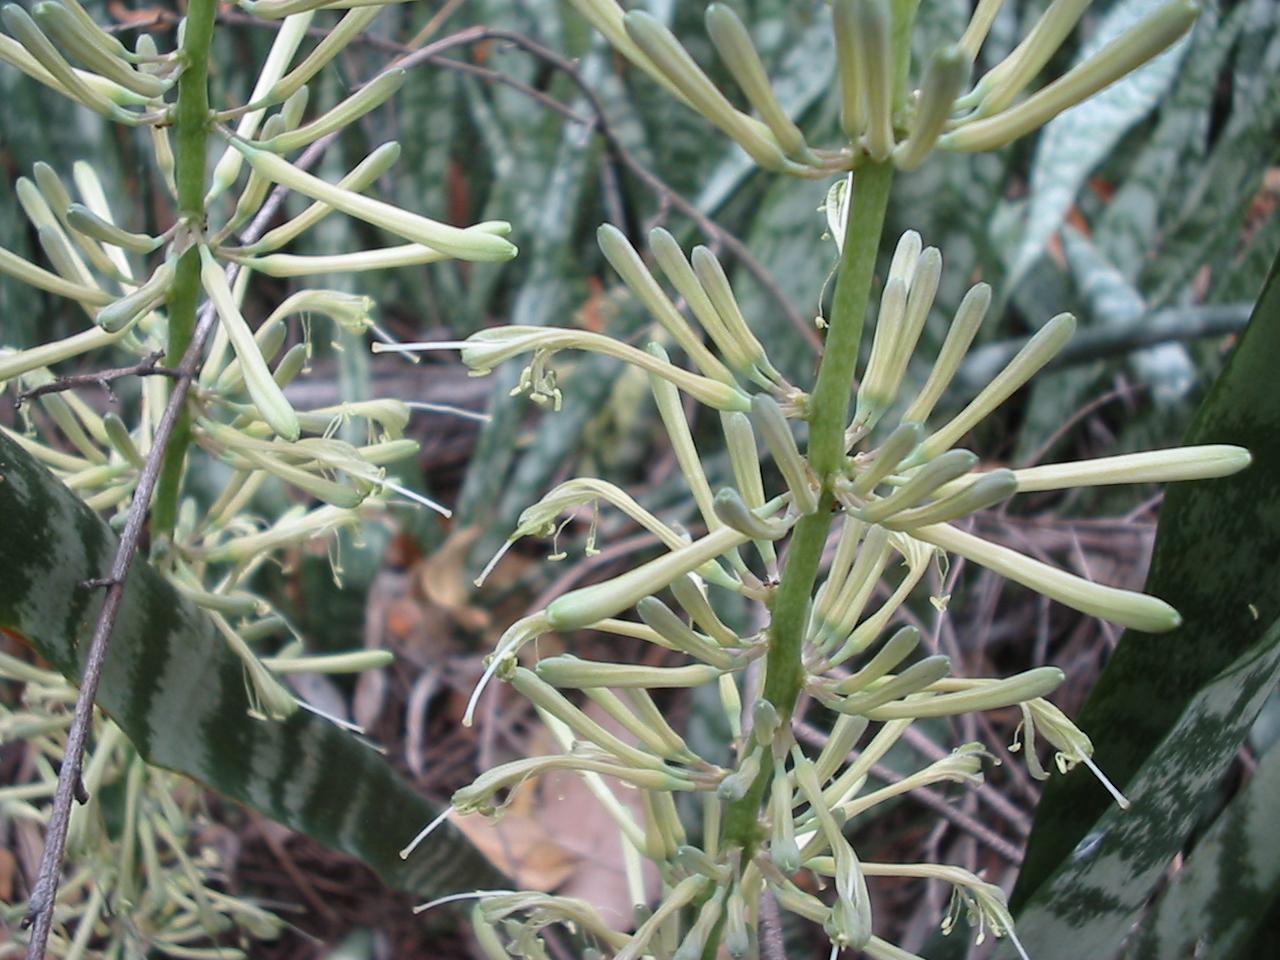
179	693
1227	883
1093	897
1216	551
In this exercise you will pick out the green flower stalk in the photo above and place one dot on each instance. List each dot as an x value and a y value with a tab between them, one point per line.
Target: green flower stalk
893	491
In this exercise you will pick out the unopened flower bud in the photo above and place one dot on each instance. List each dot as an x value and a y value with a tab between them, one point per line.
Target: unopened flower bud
969	316
733	43
769	420
1037	352
944	77
369	97
568	672
265	392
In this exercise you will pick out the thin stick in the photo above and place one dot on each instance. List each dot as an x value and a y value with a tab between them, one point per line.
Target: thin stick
100	378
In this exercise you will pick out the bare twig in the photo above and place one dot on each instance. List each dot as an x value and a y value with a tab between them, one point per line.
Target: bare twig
99	378
40	908
39	916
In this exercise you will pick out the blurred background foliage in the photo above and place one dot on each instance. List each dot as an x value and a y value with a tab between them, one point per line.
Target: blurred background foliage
1150	214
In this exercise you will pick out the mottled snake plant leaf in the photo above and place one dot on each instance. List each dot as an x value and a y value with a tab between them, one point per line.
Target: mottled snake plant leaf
1217	549
1089	903
179	693
1227	884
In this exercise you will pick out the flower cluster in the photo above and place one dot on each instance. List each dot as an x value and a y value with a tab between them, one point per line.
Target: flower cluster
902	500
894	499
140	294
881	119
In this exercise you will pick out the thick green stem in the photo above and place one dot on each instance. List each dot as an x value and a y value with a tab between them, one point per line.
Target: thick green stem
784	675
191	132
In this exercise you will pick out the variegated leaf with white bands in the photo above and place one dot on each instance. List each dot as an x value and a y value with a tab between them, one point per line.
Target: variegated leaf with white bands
179	693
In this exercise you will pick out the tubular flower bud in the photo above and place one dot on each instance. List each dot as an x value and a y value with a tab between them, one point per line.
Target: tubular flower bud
872	27
915	678
1146	39
679	635
369	97
988	490
710	274
667	399
945	76
660	739
587	605
266	393
694	944
880	386
120	315
691	597
82	219
896	649
1153	466
65	79
731	510
120	440
378	162
853	107
744	458
626	263
385	258
334	42
1004	82
677	270
679	897
24	271
465	244
873	393
671	58
920	484
845	733
1129	609
735	786
783	850
904	439
547	698
979	25
568	672
72	35
969	316
285	44
1037	352
771	423
733	43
